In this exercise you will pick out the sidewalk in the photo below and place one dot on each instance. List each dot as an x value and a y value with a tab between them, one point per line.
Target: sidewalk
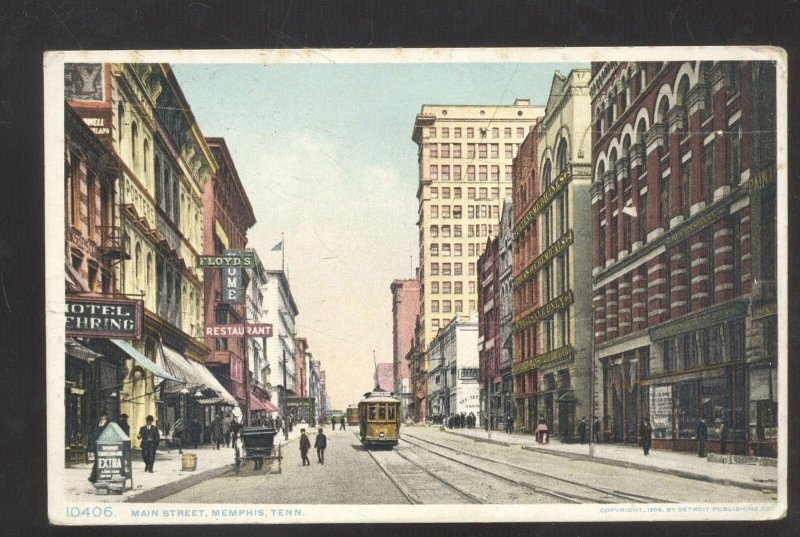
684	464
167	478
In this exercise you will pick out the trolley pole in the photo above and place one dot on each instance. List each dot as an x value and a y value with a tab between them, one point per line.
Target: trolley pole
246	372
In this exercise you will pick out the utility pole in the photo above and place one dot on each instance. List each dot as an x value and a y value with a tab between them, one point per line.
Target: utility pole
591	387
285	427
246	373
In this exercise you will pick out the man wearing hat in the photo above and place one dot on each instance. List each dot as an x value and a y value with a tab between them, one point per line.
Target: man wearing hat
98	430
305	445
321	443
149	436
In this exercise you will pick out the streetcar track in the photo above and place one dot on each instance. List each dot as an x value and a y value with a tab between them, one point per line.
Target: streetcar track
409	495
637	498
571	498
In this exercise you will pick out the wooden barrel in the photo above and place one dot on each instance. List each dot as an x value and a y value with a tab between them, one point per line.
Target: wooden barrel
189	462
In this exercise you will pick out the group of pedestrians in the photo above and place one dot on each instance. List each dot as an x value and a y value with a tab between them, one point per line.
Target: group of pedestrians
320	443
461	421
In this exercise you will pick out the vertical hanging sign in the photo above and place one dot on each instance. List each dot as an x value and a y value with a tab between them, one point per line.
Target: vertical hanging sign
232	280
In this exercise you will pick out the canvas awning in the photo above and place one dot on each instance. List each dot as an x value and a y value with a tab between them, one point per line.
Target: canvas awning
190	379
77	350
212	383
257	404
142	360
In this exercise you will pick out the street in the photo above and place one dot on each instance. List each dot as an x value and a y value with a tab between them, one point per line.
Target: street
431	466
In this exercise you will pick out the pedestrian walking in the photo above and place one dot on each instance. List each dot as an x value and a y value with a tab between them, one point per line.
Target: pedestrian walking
510	424
177	434
702	436
278	423
195	431
122	421
102	423
305	445
235	428
645	435
723	437
542	431
582	430
226	429
471	420
150	437
217	436
341	423
320	444
333	423
596	430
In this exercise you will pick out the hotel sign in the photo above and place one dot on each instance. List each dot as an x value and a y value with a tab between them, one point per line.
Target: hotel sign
233	260
238	330
101	317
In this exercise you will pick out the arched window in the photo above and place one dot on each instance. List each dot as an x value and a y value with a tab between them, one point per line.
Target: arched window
683	90
612	161
626	148
546	174
134	141
146	155
149	270
137	259
561	156
120	122
601	170
663	109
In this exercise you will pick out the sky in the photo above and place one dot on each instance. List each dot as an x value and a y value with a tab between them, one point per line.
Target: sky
325	154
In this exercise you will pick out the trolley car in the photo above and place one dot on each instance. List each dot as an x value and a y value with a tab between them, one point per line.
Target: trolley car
352	415
379	419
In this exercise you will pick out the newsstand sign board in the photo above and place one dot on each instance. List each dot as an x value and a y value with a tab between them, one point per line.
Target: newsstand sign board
101	317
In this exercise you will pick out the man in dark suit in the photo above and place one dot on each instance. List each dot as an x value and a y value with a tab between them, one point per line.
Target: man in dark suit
321	443
150	437
98	430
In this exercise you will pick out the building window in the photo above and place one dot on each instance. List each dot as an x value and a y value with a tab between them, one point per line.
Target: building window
709	236
495	151
456	151
495	132
435	288
457	250
434	211
457	132
446	288
445	150
472	287
734	155
445	173
457	211
482	173
470	173
434	250
457	193
434	171
446	250
457	172
520	132
665	202
457	229
445	132
432	132
446	306
434	306
708	170
445	211
434	231
434	269
495	173
434	150
737	255
768	230
471	269
470	132
686	187
434	192
482	150
671	353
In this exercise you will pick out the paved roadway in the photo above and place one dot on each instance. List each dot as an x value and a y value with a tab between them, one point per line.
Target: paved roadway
430	467
349	476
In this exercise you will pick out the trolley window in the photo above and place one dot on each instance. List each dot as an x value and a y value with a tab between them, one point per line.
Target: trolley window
382	412
372	412
391	412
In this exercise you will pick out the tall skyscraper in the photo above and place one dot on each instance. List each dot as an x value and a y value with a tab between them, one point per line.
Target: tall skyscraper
465	165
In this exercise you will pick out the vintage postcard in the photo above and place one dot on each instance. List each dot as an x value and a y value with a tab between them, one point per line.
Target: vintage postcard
304	286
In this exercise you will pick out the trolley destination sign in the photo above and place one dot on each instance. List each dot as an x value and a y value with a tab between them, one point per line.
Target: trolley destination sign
96	317
238	330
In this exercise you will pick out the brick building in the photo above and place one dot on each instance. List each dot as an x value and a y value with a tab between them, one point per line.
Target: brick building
489	343
684	258
405	308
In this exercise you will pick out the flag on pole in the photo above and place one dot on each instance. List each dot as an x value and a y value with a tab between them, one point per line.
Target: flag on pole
278	247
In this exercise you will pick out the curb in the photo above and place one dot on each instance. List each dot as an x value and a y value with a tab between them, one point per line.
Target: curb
624	464
637	466
168	489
